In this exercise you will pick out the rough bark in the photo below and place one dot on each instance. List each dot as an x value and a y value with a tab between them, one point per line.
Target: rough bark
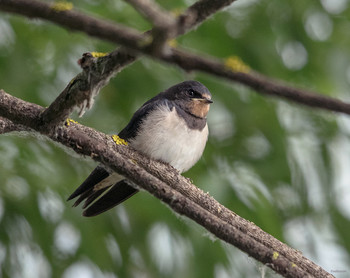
165	183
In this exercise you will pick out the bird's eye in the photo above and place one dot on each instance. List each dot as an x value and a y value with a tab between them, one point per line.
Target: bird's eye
191	93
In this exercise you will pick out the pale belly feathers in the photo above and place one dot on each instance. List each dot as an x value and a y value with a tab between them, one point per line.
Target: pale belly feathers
165	136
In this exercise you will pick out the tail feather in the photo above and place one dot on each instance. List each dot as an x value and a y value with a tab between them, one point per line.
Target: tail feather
93	196
102	191
83	196
116	195
96	176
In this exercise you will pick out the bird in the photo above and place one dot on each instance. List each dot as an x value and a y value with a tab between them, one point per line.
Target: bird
170	127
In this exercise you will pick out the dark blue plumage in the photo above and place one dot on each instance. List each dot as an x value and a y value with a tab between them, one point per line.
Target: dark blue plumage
170	127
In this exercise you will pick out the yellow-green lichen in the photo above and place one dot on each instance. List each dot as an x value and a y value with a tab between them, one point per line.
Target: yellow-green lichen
145	41
118	140
69	121
98	54
71	82
275	255
176	12
236	64
61	6
172	43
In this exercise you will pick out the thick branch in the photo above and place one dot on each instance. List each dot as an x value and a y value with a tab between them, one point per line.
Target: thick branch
182	196
18	111
100	151
8	126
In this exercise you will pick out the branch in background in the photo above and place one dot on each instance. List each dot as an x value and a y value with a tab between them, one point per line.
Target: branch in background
198	13
154	13
96	72
109	31
185	60
162	20
74	20
166	184
256	81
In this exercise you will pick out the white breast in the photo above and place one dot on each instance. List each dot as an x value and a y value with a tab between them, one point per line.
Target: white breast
165	136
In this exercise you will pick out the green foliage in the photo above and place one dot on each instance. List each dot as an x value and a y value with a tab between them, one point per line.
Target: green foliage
282	166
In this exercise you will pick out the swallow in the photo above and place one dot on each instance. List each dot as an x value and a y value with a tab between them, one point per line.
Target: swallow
170	127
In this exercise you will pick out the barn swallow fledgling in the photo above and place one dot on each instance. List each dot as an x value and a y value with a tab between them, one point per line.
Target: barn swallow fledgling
170	127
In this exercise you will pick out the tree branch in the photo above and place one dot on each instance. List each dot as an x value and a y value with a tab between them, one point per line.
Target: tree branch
257	82
8	126
198	13
151	11
165	183
185	60
164	23
80	92
74	20
96	72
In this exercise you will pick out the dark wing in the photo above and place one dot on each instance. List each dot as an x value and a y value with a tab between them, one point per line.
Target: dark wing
130	131
118	192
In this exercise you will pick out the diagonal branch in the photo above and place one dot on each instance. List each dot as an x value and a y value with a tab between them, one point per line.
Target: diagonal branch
164	23
166	184
80	92
178	57
198	13
74	20
150	10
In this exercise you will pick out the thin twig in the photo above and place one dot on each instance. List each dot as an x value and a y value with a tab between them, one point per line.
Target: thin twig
153	12
164	23
198	13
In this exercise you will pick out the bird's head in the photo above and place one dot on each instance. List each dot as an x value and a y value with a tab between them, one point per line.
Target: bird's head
192	96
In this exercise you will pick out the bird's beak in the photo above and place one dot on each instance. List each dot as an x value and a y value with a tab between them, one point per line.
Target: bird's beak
205	100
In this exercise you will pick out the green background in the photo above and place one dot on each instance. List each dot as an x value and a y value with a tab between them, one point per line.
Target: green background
282	166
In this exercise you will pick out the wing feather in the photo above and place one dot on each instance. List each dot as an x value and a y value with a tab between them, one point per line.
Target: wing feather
101	182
